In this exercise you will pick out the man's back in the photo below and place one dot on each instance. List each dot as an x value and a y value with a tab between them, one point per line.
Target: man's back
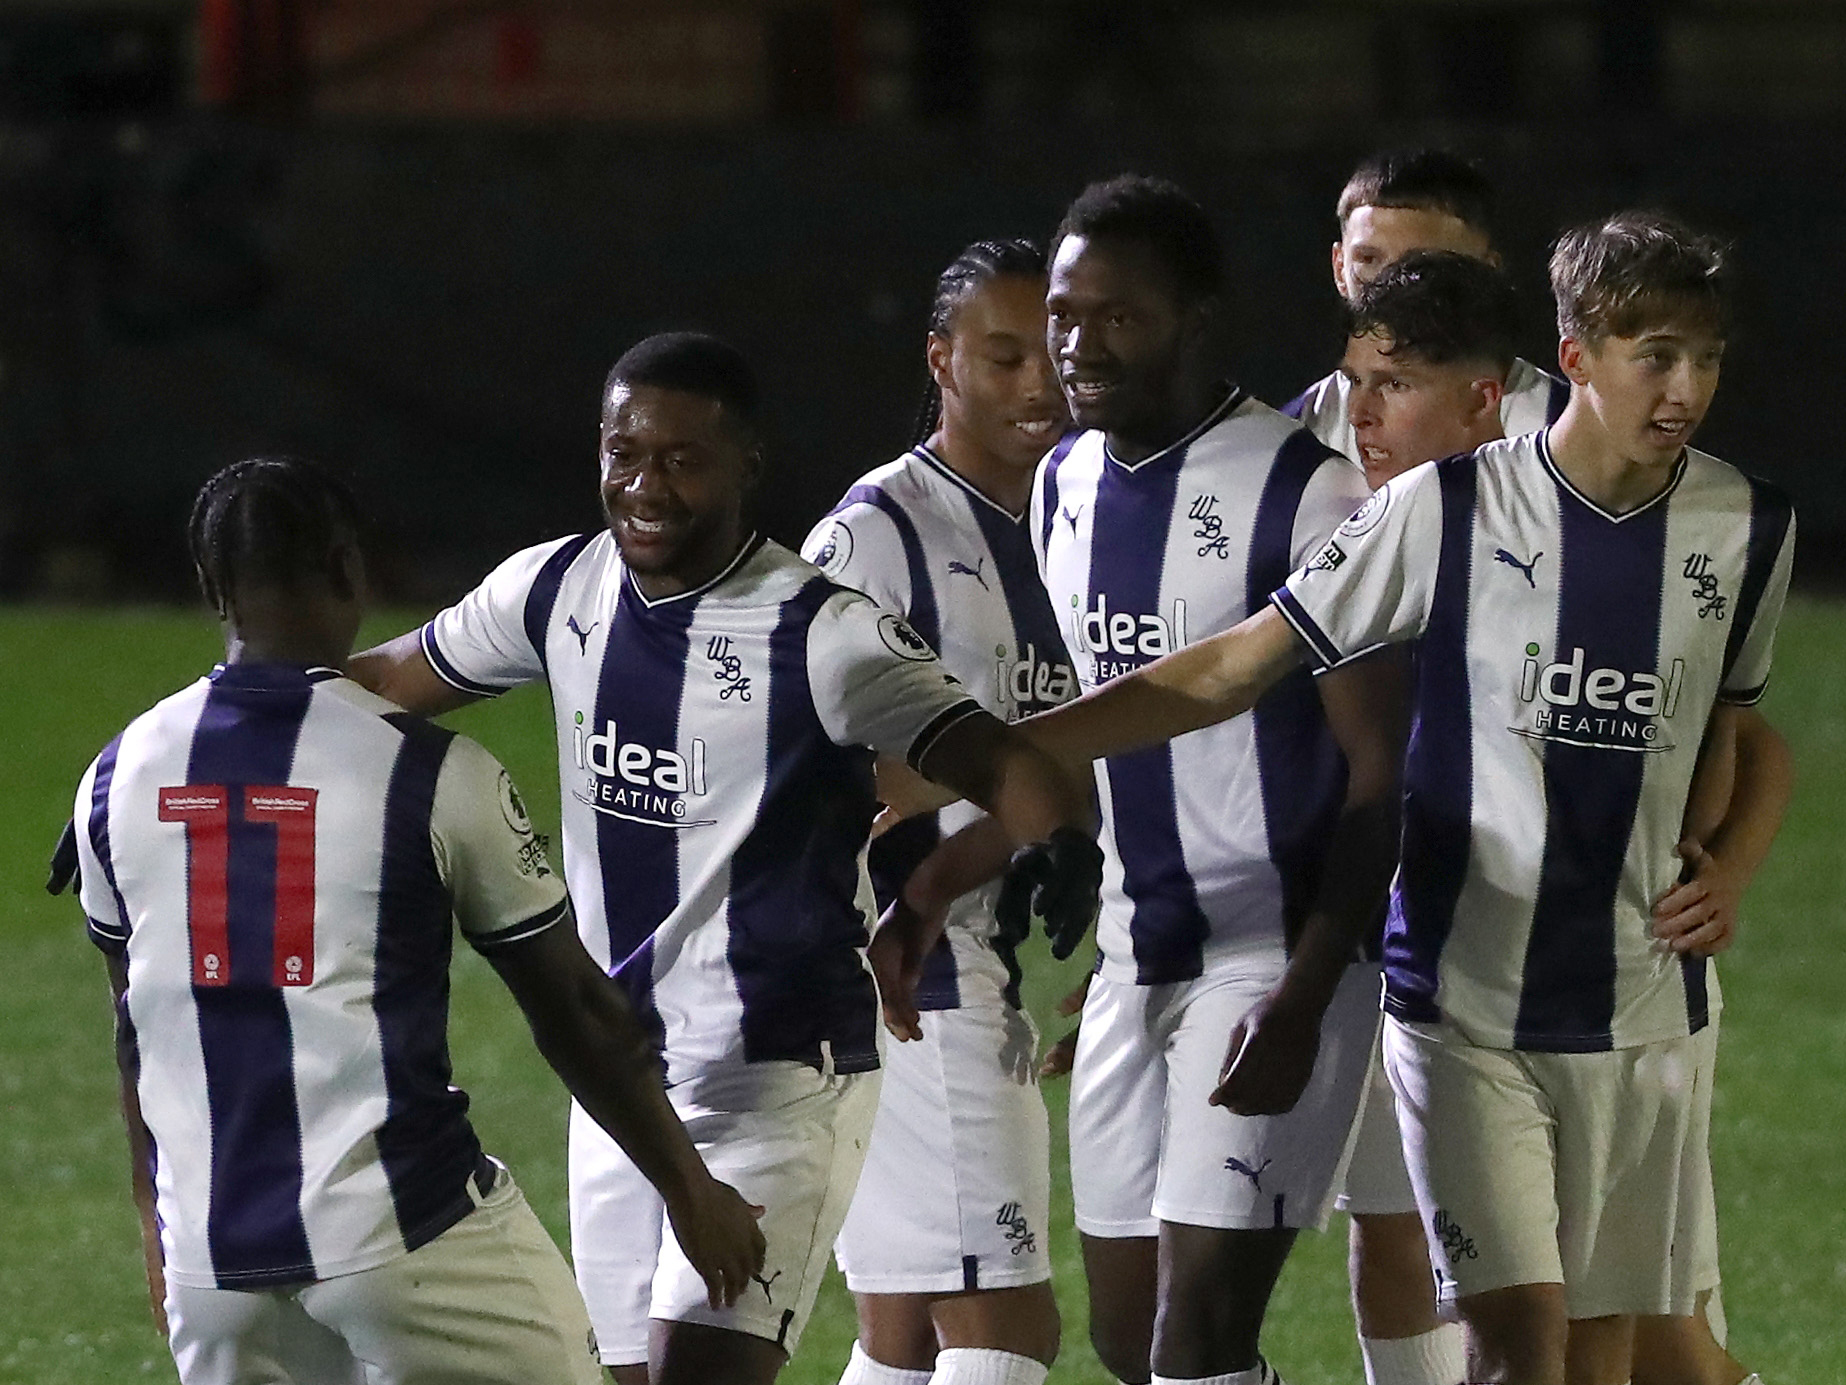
281	855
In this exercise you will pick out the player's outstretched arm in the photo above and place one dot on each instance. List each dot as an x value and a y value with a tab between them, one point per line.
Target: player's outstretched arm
1057	871
1197	686
399	671
588	1033
1271	1052
140	1142
1740	792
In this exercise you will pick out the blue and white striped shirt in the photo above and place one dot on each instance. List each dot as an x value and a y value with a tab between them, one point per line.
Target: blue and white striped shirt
1212	842
922	541
715	754
281	858
1568	665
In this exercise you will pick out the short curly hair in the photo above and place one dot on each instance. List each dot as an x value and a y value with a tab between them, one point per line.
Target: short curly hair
1158	214
1439	307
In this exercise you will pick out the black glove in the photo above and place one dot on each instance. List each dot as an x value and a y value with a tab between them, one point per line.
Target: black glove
63	861
1059	880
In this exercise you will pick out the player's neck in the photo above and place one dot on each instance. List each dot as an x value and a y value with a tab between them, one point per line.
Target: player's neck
1602	471
1005	483
694	573
268	625
1191	403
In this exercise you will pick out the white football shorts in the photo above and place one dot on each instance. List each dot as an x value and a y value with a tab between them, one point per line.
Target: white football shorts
956	1192
786	1136
1548	1168
488	1302
1377	1179
1146	1145
1695	1237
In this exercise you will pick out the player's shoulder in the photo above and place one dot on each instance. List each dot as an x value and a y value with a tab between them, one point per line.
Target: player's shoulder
1326	395
1534	398
1257	436
872	514
1707	474
171	719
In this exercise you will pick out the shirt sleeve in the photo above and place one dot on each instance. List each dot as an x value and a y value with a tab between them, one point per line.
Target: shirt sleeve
495	865
103	907
1747	678
482	644
1334	493
1372	582
858	547
876	683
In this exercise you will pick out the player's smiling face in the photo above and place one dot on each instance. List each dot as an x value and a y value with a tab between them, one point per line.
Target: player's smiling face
675	471
1373	237
1650	392
997	383
1405	411
1121	337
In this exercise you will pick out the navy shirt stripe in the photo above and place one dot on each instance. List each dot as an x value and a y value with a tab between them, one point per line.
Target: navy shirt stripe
1770	514
1438	769
923	616
1134	511
1300	765
543	595
246	734
1557	397
794	919
99	824
640	858
425	1142
1567	1000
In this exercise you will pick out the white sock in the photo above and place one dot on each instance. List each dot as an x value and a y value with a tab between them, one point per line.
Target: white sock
986	1366
1262	1373
1437	1357
863	1370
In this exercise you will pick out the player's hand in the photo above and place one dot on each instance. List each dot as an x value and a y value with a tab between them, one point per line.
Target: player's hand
1058	879
1270	1058
1698	916
1061	1057
896	954
717	1231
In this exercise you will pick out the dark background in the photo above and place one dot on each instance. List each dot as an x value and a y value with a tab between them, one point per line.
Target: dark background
415	258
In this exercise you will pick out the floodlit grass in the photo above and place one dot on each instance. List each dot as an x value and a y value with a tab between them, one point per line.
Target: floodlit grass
72	1307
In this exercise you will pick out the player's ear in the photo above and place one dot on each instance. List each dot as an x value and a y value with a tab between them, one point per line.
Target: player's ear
346	573
937	353
1339	267
1488	392
1571	354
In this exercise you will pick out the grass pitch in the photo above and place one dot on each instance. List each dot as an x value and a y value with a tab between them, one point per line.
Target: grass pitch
72	1305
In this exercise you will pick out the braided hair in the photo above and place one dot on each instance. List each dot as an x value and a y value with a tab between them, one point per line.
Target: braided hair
980	262
268	520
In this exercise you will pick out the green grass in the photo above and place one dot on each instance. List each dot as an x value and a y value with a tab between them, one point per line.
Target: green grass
72	1308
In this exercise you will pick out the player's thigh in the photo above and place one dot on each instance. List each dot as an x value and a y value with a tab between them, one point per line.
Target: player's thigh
617	1222
230	1336
956	1189
791	1140
490	1301
1233	1172
1478	1131
1623	1121
1118	1086
1377	1181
